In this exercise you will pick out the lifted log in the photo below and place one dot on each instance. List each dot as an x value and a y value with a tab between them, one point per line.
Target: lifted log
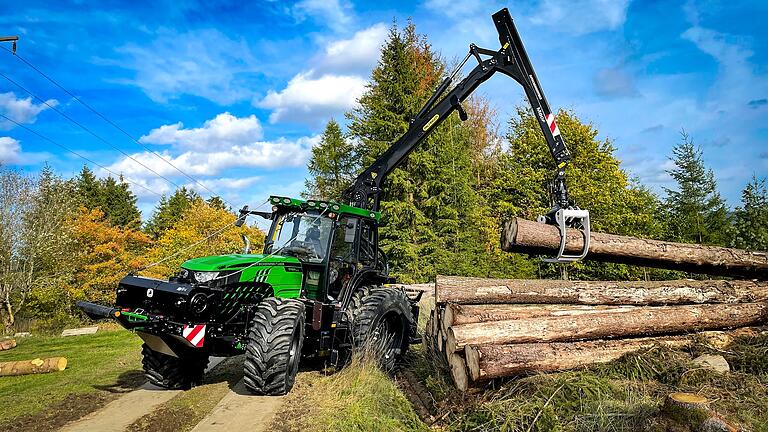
495	361
644	321
464	290
524	236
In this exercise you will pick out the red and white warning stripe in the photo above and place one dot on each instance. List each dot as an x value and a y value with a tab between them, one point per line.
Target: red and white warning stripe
195	334
552	125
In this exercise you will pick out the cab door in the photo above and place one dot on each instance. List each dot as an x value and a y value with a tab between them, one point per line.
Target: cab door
342	259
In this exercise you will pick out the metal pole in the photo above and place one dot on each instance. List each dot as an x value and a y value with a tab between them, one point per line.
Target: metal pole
11	39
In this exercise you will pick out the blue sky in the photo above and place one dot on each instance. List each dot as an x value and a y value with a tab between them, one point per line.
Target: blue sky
236	93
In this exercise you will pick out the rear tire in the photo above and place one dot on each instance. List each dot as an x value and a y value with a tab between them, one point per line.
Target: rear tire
380	321
274	346
173	373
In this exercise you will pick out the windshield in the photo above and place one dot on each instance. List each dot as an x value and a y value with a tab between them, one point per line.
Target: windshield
303	235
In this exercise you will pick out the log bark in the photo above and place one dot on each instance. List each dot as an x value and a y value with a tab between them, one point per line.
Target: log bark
36	366
486	362
524	236
644	321
458	371
7	344
465	290
456	314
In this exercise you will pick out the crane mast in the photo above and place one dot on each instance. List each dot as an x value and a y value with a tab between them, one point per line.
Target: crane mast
511	60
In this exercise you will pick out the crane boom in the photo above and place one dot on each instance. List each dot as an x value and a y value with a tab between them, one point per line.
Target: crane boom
511	60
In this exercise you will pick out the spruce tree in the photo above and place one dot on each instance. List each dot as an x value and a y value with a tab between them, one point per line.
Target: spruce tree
750	220
88	189
120	203
218	203
331	166
170	210
695	211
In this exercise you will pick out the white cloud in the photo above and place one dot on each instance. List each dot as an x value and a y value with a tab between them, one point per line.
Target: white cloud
581	16
223	131
333	85
308	99
227	184
10	149
615	82
21	110
335	14
222	143
357	54
259	154
204	63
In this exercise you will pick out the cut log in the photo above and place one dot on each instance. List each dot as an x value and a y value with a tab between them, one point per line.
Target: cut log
456	314
36	366
7	344
458	371
644	321
465	290
524	236
486	362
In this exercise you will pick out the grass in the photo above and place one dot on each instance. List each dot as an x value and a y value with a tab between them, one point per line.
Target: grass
99	366
358	398
625	395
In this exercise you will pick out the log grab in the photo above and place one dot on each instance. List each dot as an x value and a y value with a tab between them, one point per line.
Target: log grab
511	60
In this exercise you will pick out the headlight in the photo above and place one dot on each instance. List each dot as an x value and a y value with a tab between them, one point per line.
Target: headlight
204	277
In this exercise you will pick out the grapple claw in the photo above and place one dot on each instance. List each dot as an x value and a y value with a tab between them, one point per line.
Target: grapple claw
565	218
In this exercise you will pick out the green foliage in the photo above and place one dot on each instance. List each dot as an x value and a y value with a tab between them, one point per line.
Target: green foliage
332	165
113	197
596	182
750	221
170	210
695	211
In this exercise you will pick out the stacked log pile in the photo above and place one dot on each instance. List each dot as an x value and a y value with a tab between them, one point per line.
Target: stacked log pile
491	328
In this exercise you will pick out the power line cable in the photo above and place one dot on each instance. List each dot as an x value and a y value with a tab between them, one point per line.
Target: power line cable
53	107
41	136
115	125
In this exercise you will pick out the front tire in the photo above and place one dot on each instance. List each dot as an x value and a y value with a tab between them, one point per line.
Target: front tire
380	321
173	373
274	346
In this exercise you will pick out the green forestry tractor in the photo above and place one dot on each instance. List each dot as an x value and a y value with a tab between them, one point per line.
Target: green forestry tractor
320	289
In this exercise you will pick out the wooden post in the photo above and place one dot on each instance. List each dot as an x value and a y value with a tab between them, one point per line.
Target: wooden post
524	236
643	321
464	290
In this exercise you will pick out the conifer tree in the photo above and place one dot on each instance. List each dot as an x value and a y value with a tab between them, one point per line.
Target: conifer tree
695	211
120	203
750	220
331	166
170	210
88	189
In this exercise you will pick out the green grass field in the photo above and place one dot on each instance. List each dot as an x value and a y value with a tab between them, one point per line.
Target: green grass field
100	366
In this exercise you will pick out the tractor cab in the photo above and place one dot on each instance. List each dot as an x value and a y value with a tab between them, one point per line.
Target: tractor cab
334	242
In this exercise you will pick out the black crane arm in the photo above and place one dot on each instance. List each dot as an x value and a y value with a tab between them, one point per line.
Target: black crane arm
511	60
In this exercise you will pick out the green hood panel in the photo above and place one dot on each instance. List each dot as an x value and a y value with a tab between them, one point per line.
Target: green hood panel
236	261
282	273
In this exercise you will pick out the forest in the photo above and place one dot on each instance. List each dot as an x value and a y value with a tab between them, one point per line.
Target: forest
68	239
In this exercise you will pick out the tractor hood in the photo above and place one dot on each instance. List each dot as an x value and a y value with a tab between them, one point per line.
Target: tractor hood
237	261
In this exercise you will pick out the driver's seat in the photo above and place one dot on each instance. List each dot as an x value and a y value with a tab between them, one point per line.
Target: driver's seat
313	238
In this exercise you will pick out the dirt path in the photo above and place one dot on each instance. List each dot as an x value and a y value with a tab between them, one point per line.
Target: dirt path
118	414
241	411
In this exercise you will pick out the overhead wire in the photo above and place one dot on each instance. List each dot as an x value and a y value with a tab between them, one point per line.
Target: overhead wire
81	126
115	125
43	137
